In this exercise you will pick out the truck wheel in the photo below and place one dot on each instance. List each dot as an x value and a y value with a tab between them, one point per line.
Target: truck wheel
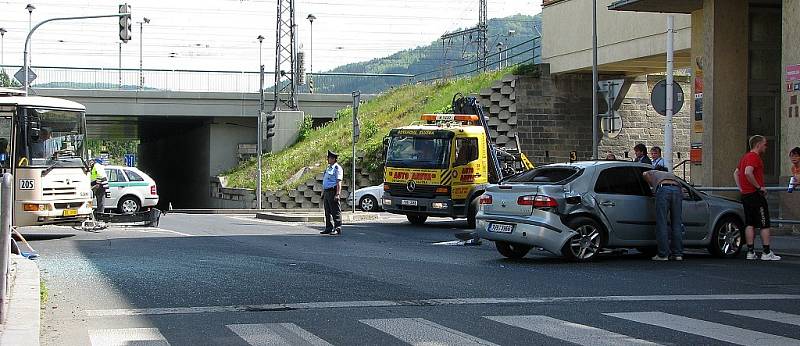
472	211
417	220
512	250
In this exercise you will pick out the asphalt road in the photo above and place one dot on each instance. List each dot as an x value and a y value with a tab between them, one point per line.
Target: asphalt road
235	280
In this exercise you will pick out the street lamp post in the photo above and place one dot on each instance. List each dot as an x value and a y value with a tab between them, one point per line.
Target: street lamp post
258	122
311	19
3	32
141	38
30	9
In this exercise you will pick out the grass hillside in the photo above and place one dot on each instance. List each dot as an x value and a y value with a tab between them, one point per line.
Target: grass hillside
398	107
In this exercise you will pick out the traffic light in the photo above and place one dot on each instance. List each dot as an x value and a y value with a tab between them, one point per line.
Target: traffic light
125	23
270	118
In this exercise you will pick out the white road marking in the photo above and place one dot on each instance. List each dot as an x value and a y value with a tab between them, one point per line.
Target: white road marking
430	302
162	230
768	315
127	336
568	331
276	334
722	332
418	331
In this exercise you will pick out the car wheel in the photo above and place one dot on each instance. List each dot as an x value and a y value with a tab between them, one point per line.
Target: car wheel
726	241
585	245
417	220
472	211
129	205
512	250
368	203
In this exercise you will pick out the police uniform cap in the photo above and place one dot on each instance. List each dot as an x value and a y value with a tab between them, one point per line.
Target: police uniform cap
333	154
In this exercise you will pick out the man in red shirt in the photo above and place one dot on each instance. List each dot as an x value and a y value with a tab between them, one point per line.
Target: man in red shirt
749	176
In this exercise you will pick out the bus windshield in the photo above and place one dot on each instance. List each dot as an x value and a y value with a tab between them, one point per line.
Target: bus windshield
54	138
418	152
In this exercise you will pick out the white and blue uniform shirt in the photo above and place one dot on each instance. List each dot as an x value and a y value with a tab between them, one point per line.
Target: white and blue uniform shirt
333	174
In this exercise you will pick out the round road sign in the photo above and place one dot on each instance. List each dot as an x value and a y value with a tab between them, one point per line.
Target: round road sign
658	98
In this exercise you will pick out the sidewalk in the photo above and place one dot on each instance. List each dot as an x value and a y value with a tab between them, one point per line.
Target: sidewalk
784	244
21	326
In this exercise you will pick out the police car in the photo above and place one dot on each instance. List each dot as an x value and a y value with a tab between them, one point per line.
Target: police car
130	189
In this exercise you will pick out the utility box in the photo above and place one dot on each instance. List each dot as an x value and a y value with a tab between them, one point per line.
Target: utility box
287	130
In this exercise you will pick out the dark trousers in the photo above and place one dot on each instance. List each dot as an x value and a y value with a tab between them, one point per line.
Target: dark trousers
100	193
333	210
669	220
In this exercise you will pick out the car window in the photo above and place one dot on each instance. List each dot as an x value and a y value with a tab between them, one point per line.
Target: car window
133	176
466	151
547	175
620	181
115	175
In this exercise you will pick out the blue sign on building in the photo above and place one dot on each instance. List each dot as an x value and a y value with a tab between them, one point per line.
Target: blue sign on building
130	160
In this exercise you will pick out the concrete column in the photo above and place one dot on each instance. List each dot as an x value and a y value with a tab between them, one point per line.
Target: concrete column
790	126
725	26
696	127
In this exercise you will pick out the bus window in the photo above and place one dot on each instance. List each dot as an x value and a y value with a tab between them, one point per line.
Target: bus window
466	151
5	139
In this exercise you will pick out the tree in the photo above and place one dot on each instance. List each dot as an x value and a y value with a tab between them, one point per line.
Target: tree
7	82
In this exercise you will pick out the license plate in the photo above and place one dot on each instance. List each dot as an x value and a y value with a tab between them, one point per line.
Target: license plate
70	212
408	202
500	228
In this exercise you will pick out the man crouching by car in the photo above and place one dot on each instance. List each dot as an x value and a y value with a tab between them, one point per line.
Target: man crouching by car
669	199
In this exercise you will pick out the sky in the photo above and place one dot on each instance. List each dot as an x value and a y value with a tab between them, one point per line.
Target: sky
221	34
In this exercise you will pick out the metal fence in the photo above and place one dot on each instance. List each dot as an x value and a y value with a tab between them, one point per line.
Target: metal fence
90	78
712	189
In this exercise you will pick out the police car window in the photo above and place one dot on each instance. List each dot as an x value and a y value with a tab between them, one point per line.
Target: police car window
115	176
466	151
620	181
133	176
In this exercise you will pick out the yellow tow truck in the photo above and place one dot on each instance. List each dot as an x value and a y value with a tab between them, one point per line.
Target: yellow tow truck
441	167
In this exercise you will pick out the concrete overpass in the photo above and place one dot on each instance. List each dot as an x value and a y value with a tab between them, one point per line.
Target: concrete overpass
187	137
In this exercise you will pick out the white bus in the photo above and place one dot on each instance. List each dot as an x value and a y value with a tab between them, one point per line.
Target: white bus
42	143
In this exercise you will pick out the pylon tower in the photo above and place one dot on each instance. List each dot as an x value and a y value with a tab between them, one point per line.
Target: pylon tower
285	57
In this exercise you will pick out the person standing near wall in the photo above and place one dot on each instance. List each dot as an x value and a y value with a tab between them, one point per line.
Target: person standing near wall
749	177
641	154
658	161
331	192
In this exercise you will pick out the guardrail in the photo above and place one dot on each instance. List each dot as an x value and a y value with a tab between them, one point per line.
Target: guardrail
6	202
93	78
736	189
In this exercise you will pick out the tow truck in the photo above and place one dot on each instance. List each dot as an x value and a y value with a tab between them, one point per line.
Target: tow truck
441	167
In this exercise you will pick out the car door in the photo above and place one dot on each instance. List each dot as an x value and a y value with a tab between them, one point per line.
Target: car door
695	215
626	204
116	186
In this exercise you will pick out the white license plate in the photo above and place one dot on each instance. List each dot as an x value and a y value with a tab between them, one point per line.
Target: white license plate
408	202
500	228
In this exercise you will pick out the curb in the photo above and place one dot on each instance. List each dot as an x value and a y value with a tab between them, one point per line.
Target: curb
314	217
240	211
22	324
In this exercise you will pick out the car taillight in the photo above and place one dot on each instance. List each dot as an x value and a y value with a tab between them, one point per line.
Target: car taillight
485	199
537	201
153	190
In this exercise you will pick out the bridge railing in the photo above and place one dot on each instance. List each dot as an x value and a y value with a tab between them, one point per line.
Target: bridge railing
90	78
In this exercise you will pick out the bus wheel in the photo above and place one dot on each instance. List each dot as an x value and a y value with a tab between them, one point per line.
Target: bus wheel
417	220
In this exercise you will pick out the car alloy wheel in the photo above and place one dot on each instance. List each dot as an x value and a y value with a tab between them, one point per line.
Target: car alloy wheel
368	203
129	206
586	243
727	238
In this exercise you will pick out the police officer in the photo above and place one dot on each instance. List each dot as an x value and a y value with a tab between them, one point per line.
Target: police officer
99	184
331	192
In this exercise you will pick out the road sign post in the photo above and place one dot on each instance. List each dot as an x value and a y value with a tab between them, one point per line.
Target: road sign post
356	135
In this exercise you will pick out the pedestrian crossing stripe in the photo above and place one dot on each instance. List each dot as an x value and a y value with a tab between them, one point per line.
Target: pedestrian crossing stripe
718	331
127	336
568	331
276	334
419	331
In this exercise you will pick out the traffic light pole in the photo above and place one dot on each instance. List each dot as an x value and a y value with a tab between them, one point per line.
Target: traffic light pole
28	39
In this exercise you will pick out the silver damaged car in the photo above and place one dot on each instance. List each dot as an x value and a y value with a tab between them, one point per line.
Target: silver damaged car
579	209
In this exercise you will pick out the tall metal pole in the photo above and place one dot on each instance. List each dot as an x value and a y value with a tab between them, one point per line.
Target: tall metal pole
311	19
259	143
595	120
141	40
30	9
5	238
119	71
3	48
668	140
30	33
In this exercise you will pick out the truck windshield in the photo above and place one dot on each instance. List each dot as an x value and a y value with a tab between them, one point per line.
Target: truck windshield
418	152
54	138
